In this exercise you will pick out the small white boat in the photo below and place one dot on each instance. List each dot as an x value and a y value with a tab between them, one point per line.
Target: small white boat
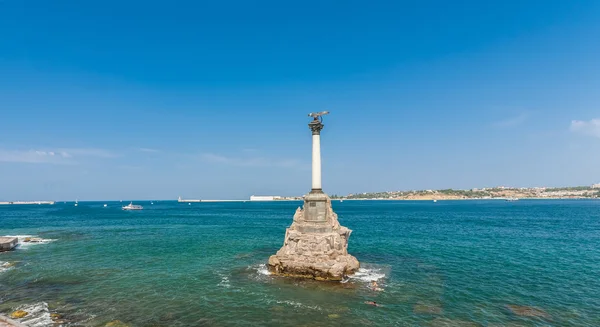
512	199
75	202
105	205
434	201
132	206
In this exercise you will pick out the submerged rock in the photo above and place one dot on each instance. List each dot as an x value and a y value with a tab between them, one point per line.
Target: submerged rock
277	308
18	314
116	323
445	322
525	311
167	316
315	245
420	308
57	318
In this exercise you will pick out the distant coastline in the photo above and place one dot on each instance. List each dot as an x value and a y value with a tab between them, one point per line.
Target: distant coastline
499	193
493	193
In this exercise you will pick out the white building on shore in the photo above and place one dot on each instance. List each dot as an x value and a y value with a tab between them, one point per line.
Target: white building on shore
264	198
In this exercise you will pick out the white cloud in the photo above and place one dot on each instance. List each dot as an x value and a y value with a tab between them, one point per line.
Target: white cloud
591	127
513	121
59	156
250	161
89	152
33	156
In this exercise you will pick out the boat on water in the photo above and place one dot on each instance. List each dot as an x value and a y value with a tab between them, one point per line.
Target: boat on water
512	199
132	206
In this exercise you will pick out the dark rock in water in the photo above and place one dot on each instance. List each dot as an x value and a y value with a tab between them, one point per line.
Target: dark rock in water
58	319
277	308
420	308
365	322
116	323
525	311
167	316
243	255
315	245
445	322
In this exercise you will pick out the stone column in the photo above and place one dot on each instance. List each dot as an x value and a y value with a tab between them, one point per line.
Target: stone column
316	126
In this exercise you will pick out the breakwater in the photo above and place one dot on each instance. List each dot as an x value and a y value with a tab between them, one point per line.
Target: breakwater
25	202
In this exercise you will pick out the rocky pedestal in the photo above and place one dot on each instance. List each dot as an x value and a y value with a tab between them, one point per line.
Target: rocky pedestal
315	245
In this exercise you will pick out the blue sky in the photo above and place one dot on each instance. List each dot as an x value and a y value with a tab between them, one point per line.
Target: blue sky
155	99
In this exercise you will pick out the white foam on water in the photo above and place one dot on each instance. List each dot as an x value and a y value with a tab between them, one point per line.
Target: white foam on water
4	266
38	315
298	305
24	245
225	282
367	275
292	303
262	269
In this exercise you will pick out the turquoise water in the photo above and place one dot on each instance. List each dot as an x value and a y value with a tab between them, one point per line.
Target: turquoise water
450	263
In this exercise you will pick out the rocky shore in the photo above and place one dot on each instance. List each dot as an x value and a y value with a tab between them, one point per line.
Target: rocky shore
8	322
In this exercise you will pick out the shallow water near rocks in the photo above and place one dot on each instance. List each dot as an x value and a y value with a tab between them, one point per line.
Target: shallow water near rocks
450	263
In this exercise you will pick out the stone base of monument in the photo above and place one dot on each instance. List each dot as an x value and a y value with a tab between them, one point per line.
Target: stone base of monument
315	245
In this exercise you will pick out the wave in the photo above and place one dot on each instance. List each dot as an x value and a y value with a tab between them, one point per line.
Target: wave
4	266
36	240
261	269
38	315
225	282
299	305
368	275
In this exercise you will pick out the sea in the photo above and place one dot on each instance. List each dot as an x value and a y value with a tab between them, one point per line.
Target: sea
450	263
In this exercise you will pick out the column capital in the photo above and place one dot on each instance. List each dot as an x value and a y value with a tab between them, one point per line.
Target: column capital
316	126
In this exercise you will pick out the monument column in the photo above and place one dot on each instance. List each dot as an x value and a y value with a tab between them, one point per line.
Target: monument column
316	126
315	245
